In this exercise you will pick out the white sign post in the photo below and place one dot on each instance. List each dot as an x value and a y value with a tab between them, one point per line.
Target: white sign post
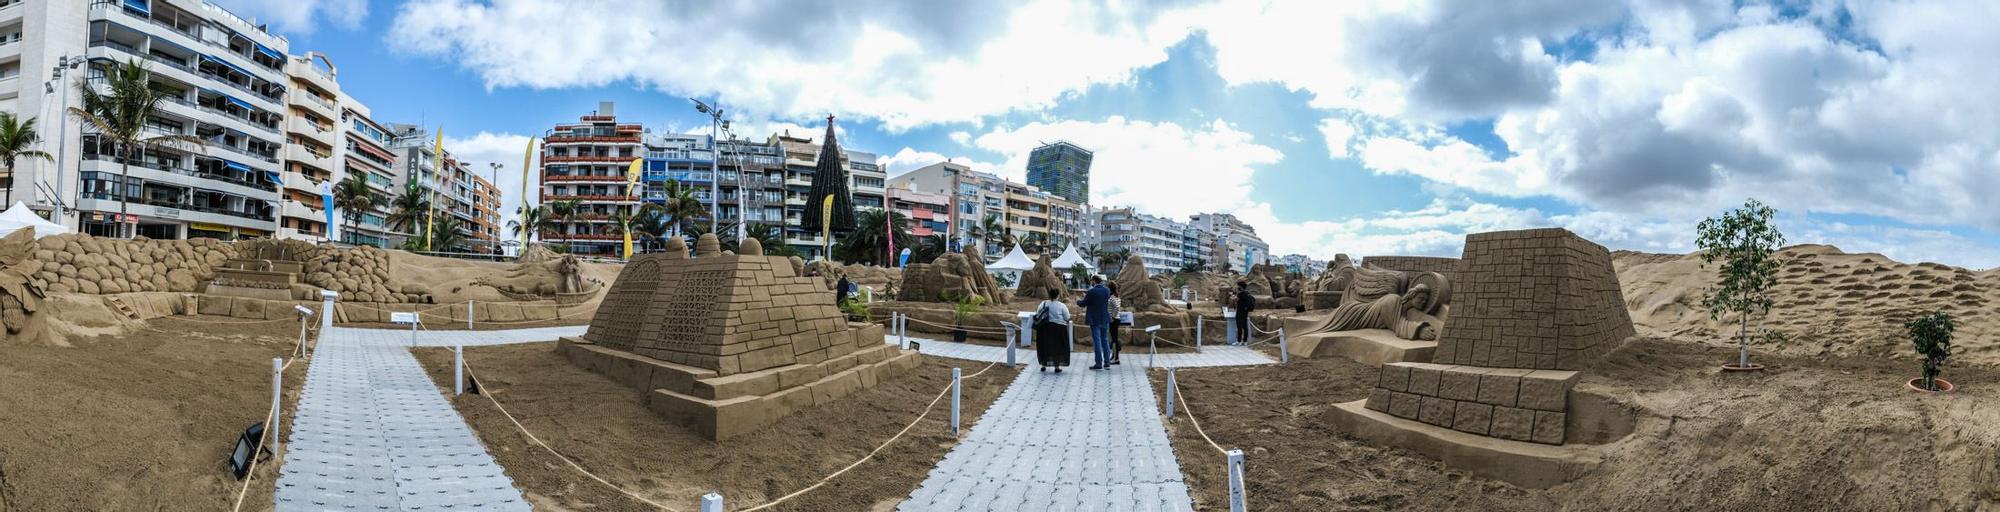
407	318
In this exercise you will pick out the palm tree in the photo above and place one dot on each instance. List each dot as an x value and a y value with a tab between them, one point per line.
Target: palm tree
564	211
120	117
634	222
681	207
533	221
1113	260
407	211
868	243
1037	243
772	237
930	247
442	234
353	197
16	137
991	233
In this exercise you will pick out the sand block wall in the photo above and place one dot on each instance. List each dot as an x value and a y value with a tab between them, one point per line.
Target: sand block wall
1537	298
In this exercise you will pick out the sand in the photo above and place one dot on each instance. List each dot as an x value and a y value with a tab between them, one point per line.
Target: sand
605	427
1828	302
1810	434
452	280
137	421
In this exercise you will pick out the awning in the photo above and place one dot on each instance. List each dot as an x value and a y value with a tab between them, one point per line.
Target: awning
240	103
198	226
268	52
273	176
226	64
232	164
144	6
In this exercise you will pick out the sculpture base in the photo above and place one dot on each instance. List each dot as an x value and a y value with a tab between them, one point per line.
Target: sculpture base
1525	464
721	407
1365	346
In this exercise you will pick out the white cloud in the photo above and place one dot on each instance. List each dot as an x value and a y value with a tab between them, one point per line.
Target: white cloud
1338	134
301	16
1162	168
503	148
909	159
906	63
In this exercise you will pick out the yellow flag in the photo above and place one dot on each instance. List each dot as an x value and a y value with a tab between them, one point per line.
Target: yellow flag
631	189
826	226
527	162
430	221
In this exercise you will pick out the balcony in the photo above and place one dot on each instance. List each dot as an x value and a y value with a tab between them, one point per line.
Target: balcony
590	198
179	212
587	159
567	178
586	139
798	181
301	125
109	10
314	103
301	154
298	210
795	201
300	182
182	176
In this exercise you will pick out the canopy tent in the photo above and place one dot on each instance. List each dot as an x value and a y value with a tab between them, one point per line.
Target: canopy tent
1009	269
19	216
1070	259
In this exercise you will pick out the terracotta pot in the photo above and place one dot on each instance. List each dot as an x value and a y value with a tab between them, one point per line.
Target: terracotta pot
1916	384
1752	367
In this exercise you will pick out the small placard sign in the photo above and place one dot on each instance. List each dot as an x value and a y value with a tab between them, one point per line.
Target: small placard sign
403	318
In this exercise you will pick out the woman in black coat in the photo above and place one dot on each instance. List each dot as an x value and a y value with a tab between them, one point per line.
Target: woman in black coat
1051	325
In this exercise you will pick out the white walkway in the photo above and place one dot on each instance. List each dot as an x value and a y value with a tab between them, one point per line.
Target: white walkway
372	432
1078	440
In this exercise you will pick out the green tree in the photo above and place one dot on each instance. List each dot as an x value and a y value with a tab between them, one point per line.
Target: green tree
119	115
564	212
17	141
1112	261
634	223
930	247
1745	240
869	241
681	208
532	221
353	197
407	211
991	234
442	234
1038	243
1931	333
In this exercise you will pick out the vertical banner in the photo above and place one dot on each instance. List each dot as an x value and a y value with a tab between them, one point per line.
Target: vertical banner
326	203
889	217
527	162
632	190
826	227
437	171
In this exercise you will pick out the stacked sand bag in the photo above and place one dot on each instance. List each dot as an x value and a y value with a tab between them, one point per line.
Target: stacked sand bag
78	263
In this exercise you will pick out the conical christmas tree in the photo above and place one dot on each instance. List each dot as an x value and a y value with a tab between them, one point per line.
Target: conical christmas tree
829	179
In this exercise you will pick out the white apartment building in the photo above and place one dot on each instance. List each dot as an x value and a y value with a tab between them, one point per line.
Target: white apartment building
1162	243
314	149
1235	241
365	152
226	84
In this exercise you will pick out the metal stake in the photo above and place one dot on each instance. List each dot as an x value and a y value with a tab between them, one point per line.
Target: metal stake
458	369
955	388
1172	386
711	502
468	314
277	401
1237	501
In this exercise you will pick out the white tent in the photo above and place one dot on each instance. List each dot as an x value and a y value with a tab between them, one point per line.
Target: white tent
1010	268
1070	258
19	216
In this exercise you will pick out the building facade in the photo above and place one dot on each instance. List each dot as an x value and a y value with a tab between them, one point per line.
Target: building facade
1235	241
1164	244
365	153
224	82
1062	169
448	183
313	146
929	213
1016	209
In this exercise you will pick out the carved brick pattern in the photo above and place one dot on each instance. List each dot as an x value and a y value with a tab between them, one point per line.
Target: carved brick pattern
1539	298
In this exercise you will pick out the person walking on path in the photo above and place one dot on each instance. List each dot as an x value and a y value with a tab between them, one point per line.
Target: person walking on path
1244	303
1096	305
1051	325
1117	310
840	290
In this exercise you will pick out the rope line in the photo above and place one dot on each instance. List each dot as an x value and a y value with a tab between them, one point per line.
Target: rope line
189	319
1181	395
552	451
270	419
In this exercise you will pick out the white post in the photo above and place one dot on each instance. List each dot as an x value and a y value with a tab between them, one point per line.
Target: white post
413	332
1237	501
954	400
1284	350
711	502
301	349
1010	347
1197	332
1026	321
326	298
277	401
468	314
1172	391
1229	322
458	369
902	337
1153	350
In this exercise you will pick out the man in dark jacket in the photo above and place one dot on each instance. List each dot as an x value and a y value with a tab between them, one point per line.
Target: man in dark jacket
840	291
1244	303
1096	305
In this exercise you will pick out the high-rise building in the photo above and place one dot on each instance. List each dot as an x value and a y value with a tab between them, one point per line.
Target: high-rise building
448	182
1063	169
312	145
1162	243
1235	241
1014	209
224	82
586	162
365	153
866	182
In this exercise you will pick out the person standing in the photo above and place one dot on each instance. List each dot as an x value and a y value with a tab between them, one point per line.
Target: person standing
1117	320
1096	305
1051	325
840	291
1244	304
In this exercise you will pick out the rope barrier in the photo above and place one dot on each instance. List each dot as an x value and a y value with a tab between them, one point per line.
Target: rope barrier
270	419
552	451
1181	395
966	329
185	318
878	449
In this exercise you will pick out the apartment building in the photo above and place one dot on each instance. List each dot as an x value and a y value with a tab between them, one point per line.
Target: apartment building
1165	245
587	162
1061	168
365	152
224	80
1020	209
485	211
929	213
449	183
866	184
1235	241
313	145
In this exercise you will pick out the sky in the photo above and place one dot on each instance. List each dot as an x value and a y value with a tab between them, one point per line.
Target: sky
1362	127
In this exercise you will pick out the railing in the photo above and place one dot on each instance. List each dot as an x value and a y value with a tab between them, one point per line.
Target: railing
113	5
589	198
604	139
106	196
582	177
575	158
181	171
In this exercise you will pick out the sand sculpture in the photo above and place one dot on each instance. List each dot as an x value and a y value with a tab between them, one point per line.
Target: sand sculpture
79	263
1325	290
1035	284
1409	305
1137	291
951	275
1535	307
541	275
19	295
730	343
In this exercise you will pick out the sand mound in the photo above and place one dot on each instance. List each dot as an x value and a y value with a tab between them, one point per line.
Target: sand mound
1828	302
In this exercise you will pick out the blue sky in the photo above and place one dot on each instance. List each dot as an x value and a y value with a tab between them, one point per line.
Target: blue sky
1366	128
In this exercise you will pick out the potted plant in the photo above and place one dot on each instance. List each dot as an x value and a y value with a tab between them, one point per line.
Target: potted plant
858	311
1745	240
1931	333
962	308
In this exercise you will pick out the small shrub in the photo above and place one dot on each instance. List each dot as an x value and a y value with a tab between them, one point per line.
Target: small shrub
964	306
1931	333
858	311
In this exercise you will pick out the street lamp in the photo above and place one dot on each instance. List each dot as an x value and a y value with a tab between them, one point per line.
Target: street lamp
714	173
63	64
742	200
